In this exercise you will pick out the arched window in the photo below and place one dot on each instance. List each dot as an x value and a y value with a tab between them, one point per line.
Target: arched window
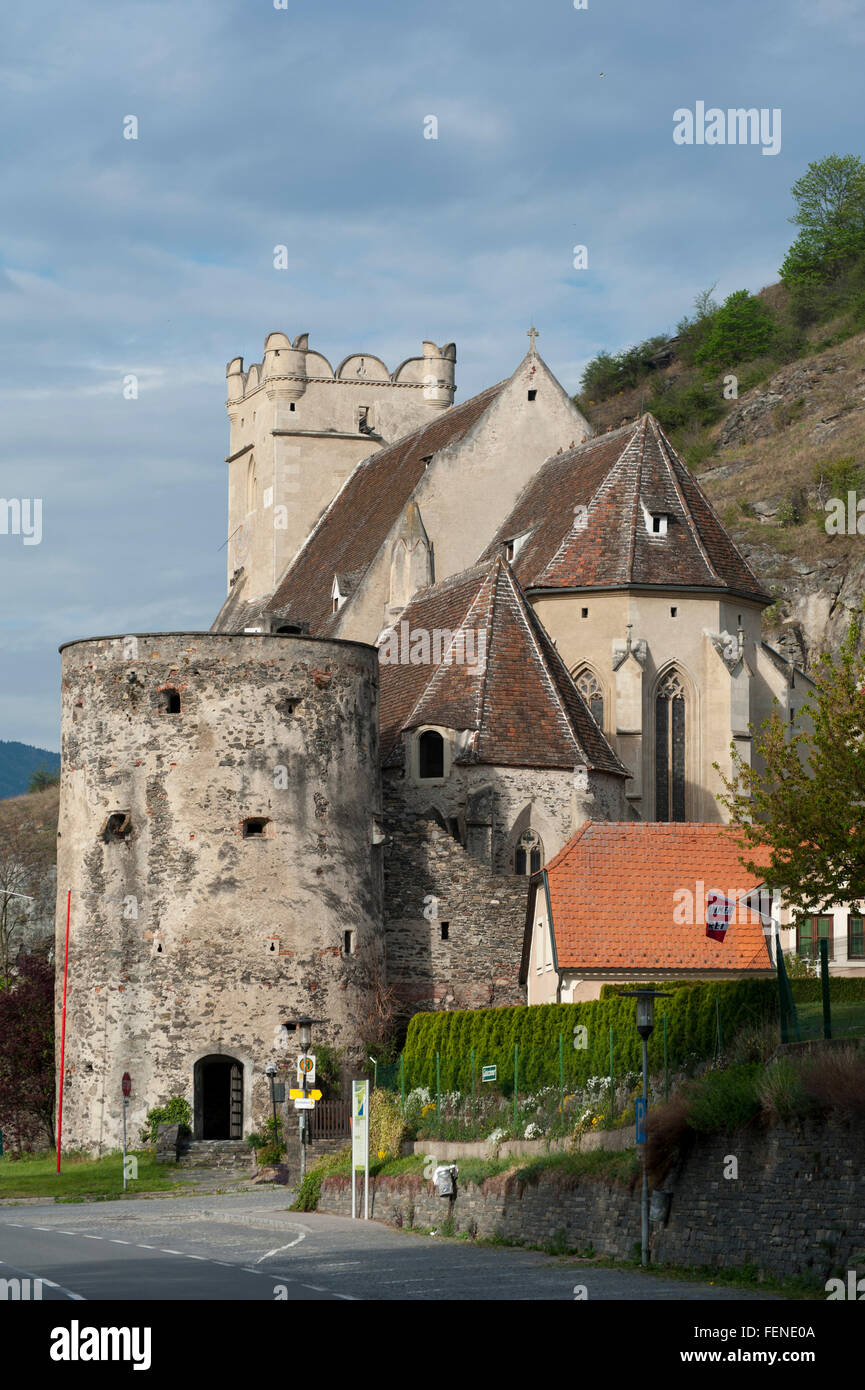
529	853
590	688
431	754
670	733
251	484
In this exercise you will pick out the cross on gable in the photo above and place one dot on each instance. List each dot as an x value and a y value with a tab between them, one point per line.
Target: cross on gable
532	334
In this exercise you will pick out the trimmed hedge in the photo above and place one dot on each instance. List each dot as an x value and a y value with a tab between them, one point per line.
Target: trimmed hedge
841	990
493	1033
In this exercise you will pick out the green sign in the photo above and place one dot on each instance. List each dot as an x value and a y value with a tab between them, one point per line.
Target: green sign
488	1073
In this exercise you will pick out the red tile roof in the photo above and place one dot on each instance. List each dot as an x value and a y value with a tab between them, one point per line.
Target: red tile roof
614	477
352	530
614	906
519	698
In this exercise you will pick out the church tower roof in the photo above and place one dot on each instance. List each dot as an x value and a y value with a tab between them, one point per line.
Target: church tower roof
622	510
516	697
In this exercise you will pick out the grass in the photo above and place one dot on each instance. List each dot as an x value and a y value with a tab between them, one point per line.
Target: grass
80	1177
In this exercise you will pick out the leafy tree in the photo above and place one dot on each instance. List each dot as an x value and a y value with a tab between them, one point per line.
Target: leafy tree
27	1053
42	778
807	814
742	329
830	198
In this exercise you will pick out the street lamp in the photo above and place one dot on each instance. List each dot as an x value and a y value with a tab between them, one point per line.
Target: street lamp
303	1026
645	1023
270	1071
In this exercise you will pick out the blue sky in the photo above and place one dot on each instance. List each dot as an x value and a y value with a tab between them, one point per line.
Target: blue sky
304	126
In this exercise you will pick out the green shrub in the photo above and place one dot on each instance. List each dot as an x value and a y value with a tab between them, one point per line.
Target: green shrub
175	1112
309	1191
387	1128
780	1091
724	1100
687	401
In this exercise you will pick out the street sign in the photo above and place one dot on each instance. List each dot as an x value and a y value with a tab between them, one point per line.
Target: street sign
360	1142
126	1083
488	1073
304	1104
641	1120
304	1095
306	1066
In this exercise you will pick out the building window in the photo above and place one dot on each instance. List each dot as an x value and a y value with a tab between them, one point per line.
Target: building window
659	523
590	688
855	936
533	395
290	405
254	825
167	701
529	853
348	943
674	612
251	484
363	423
431	754
445	926
509	550
810	931
670	749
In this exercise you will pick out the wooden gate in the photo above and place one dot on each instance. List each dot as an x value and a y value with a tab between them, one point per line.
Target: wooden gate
236	1131
331	1119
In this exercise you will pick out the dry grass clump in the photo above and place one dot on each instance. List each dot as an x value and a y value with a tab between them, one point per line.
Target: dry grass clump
834	1079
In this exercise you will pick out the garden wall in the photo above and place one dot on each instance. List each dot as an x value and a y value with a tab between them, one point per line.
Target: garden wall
797	1205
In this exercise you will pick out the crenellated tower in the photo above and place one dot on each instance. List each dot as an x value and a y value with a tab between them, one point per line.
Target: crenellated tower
298	427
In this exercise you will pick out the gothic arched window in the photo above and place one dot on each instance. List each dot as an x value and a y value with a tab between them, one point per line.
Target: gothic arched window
431	754
590	688
529	853
670	748
251	484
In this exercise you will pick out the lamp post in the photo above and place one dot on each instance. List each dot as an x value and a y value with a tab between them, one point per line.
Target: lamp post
270	1073
303	1025
645	1023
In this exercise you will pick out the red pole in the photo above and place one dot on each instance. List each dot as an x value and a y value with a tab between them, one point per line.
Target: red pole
63	1027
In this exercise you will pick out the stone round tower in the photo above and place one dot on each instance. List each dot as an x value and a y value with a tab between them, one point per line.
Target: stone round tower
219	831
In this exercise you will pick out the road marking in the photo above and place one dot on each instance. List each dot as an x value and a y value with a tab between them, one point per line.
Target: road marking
201	1257
41	1228
315	1287
146	1247
85	1236
168	1252
350	1297
280	1248
112	1240
28	1274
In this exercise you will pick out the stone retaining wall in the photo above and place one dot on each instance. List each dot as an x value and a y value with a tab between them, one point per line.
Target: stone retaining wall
796	1206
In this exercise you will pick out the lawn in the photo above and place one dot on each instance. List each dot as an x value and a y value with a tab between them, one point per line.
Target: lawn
81	1177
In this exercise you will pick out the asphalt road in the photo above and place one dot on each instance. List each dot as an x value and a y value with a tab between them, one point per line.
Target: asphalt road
249	1247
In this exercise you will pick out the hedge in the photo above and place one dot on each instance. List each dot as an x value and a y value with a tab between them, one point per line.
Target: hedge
841	990
691	1015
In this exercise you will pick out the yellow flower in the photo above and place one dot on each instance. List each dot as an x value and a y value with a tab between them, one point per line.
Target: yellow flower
382	1154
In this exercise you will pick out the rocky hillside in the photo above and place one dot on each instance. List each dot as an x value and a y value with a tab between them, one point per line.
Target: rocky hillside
781	451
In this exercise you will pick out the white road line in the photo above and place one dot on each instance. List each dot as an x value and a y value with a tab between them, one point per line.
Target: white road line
279	1248
114	1241
41	1228
201	1257
75	1297
316	1287
146	1247
350	1297
170	1252
85	1236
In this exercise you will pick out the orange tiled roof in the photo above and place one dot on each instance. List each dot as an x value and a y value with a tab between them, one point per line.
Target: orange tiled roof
614	906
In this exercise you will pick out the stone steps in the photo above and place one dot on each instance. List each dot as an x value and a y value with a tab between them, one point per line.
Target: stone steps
217	1153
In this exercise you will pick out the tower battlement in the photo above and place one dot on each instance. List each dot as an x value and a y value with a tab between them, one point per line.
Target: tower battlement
293	364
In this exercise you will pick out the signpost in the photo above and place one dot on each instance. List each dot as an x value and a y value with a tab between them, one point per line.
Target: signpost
306	1069
488	1073
301	1095
360	1144
640	1107
126	1085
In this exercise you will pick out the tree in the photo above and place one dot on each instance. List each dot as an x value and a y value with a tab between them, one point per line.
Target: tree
808	812
43	778
742	329
27	847
830	211
27	1053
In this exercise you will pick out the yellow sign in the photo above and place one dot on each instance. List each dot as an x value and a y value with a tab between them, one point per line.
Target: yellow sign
304	1095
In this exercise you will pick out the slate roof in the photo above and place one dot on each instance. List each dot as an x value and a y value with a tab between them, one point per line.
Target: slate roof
615	476
517	696
352	530
612	897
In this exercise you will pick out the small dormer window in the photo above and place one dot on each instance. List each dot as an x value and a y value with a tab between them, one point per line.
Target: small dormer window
337	598
658	522
431	755
509	550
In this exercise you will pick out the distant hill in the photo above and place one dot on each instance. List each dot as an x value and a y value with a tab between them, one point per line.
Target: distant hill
18	762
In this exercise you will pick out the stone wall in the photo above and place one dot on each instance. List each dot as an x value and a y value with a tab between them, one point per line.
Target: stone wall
797	1206
476	964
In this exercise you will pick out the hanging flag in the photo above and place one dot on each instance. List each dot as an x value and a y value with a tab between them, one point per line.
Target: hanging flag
720	912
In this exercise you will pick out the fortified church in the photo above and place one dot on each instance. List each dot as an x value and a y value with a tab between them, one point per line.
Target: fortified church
453	635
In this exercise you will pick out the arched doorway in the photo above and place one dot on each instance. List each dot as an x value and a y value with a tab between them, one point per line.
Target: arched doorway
218	1091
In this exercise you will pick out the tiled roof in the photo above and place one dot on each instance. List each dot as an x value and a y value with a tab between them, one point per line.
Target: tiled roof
612	893
615	477
517	696
352	530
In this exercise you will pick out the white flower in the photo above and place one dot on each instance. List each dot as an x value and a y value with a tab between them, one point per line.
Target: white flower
533	1131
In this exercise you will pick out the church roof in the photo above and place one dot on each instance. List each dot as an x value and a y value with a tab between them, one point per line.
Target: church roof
631	895
516	696
588	514
352	530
